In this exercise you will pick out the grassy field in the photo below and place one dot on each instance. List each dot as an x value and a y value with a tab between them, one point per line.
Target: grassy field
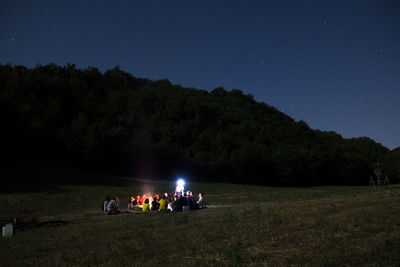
243	226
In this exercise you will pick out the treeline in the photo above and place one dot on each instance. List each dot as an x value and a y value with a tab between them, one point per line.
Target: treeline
135	126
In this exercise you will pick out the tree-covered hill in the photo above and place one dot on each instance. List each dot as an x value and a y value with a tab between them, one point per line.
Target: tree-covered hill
149	128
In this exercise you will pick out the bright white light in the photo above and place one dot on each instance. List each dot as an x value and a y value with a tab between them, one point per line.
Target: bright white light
180	186
180	182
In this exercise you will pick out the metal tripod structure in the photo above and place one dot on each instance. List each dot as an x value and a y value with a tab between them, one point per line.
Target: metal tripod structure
378	182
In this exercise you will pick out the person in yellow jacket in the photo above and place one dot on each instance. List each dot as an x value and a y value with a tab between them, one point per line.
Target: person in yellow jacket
163	203
146	205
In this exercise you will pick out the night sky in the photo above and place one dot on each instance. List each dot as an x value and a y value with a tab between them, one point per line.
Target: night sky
333	64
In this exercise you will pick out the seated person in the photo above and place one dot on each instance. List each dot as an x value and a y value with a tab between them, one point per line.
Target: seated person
132	203
192	201
185	203
163	203
138	200
167	197
171	204
105	203
146	205
112	206
201	203
155	204
178	205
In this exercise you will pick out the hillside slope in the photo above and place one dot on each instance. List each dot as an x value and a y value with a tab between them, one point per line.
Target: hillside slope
149	128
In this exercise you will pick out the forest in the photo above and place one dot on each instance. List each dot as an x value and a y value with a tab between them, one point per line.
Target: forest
115	122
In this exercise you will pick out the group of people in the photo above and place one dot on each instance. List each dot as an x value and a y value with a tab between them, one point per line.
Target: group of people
182	201
186	202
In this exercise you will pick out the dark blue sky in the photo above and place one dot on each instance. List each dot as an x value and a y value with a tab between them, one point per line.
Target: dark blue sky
333	64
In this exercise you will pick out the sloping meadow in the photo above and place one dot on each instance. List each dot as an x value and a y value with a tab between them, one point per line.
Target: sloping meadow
243	225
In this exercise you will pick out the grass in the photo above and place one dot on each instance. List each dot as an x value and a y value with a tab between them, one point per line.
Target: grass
244	226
